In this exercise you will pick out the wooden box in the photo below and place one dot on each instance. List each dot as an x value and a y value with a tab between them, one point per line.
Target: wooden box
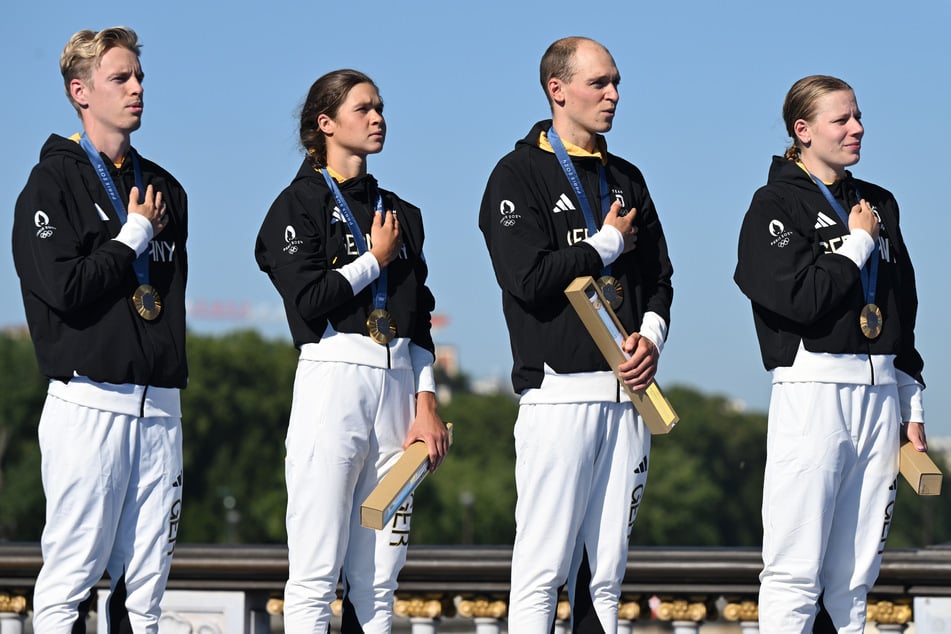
397	485
919	470
609	335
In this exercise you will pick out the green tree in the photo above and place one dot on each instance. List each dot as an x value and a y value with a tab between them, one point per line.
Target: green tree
22	391
705	482
471	498
235	414
704	489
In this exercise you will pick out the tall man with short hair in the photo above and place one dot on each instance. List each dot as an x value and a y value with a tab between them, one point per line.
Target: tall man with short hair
99	246
557	207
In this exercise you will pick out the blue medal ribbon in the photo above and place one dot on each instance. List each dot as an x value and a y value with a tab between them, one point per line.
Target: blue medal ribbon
141	264
378	286
569	169
869	272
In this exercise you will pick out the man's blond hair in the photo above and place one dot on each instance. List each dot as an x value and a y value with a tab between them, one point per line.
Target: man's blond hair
84	50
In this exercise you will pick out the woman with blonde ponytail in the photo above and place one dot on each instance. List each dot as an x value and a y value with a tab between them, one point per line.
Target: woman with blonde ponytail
822	259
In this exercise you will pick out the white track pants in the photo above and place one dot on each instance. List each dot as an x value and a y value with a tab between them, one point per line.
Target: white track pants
828	497
347	427
113	503
580	473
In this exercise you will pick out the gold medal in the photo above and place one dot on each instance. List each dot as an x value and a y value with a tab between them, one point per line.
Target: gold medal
870	320
612	290
381	326
147	302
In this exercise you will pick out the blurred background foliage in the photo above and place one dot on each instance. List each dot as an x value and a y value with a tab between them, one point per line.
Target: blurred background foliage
704	489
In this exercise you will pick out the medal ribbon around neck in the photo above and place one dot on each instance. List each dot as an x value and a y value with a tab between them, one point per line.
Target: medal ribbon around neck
870	270
145	299
141	264
612	289
569	169
870	319
378	286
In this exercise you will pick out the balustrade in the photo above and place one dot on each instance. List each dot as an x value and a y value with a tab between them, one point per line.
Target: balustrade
465	589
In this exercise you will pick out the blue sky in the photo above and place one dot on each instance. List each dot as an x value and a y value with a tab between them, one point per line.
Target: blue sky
701	93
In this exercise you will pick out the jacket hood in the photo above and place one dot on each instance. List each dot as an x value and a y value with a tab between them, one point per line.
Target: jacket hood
58	145
782	170
532	137
358	187
535	139
63	147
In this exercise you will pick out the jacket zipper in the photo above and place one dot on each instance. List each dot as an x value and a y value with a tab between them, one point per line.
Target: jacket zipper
142	403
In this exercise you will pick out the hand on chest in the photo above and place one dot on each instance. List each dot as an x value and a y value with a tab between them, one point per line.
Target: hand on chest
832	232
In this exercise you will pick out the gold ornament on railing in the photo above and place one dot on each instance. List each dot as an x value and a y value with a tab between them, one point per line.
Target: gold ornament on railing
681	610
887	612
427	608
742	611
12	603
563	611
480	607
274	607
628	610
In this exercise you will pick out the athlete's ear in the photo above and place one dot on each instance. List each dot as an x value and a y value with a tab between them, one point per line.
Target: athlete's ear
325	124
77	90
803	133
556	91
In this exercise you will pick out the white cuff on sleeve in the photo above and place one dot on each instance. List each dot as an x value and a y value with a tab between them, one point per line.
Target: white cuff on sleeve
654	328
608	242
858	247
910	398
361	272
135	233
422	368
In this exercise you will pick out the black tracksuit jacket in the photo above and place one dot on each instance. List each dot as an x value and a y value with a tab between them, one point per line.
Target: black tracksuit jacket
77	282
802	291
303	240
537	249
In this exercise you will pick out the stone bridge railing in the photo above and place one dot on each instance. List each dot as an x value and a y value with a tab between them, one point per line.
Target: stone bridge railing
237	589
